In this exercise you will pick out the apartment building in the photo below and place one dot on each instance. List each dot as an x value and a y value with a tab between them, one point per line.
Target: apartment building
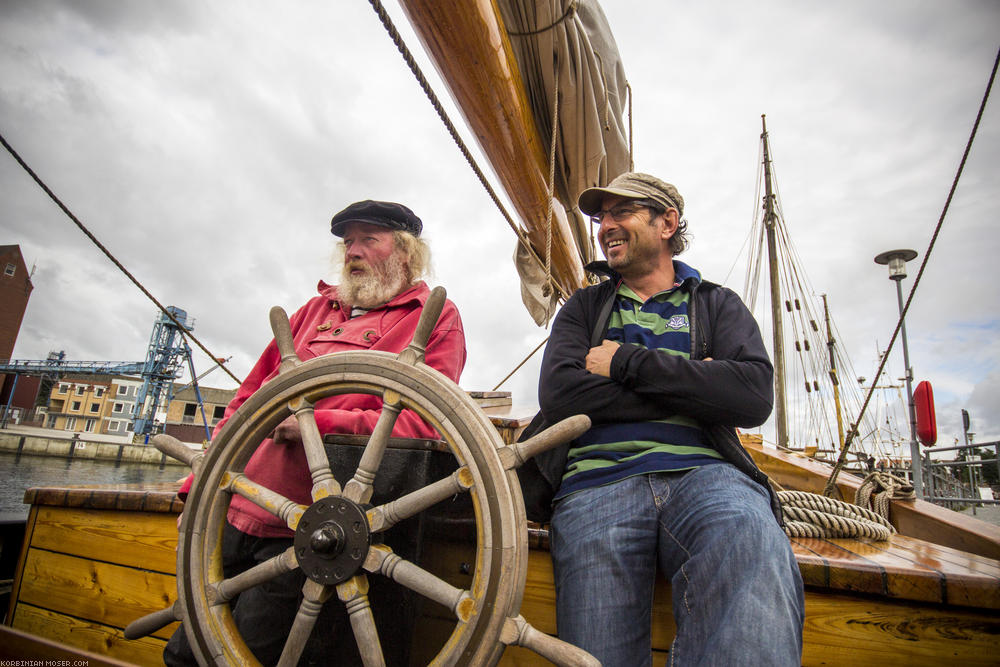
184	418
118	419
104	404
78	404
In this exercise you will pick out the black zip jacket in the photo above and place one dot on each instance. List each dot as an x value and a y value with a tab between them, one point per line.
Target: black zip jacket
735	389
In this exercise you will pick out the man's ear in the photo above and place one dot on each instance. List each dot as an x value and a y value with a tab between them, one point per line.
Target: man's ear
671	219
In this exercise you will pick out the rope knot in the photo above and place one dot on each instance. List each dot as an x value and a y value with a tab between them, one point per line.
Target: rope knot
880	488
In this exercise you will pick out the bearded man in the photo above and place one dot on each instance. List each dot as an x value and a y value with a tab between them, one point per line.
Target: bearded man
376	307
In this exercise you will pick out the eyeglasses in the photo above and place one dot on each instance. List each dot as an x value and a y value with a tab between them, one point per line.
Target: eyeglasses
619	213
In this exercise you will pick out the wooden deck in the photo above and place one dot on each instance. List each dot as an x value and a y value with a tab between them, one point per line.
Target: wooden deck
97	558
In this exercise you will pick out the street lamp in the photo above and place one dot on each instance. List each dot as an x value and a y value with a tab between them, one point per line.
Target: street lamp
897	259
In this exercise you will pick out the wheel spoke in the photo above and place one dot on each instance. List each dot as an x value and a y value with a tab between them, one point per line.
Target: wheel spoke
359	488
176	449
385	516
414	352
354	594
227	589
314	595
284	339
514	456
381	559
519	632
287	510
312	442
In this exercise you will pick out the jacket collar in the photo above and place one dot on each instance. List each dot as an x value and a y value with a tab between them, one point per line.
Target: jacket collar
682	272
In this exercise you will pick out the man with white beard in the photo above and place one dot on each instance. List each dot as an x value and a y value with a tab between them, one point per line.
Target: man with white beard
376	307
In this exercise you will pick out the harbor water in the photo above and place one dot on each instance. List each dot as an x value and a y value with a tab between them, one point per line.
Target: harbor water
21	472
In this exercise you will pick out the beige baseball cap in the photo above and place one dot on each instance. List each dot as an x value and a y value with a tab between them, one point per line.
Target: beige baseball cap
634	185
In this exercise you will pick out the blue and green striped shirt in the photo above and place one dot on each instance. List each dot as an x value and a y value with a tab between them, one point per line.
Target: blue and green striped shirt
611	452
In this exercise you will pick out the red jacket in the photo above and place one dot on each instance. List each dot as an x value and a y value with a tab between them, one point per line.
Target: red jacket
320	327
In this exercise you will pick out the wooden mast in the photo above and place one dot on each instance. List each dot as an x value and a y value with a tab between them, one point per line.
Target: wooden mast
834	379
471	50
770	218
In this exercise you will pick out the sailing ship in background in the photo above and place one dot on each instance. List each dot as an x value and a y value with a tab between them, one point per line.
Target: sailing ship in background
818	391
550	125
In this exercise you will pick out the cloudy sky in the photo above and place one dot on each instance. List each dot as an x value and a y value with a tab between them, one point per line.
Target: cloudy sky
207	145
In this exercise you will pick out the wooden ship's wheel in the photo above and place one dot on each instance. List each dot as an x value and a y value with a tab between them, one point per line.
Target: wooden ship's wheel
333	544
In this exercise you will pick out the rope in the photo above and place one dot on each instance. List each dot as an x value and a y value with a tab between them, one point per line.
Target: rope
551	190
631	153
390	28
842	459
523	362
812	515
570	10
879	488
108	254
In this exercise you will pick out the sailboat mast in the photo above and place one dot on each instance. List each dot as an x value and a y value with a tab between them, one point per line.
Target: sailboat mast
770	219
833	375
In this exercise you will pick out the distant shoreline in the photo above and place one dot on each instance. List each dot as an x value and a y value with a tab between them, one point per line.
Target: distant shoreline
36	444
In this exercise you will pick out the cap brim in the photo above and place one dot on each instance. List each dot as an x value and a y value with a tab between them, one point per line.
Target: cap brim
591	198
337	229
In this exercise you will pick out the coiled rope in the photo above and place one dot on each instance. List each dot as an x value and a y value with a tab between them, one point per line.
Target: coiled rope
813	515
879	489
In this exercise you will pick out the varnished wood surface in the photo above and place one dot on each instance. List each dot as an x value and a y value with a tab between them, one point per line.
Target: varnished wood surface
104	592
86	573
21	645
72	631
905	568
840	629
905	601
160	497
472	52
915	518
146	540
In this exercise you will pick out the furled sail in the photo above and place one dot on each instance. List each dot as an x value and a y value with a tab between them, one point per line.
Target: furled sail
508	65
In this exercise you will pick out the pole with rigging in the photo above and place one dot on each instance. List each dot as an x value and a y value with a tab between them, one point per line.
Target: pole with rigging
834	379
770	219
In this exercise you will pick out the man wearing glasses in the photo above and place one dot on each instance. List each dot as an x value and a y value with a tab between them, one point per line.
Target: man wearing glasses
667	366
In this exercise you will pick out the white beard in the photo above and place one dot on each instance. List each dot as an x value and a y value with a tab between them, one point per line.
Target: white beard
377	285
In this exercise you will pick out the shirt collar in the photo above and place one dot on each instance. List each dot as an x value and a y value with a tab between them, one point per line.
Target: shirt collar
684	276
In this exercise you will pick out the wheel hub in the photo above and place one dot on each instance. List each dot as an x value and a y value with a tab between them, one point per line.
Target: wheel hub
332	540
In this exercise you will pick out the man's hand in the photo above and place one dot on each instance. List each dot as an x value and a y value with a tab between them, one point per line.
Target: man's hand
599	358
287	432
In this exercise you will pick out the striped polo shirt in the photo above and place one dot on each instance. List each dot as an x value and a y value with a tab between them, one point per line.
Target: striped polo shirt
612	452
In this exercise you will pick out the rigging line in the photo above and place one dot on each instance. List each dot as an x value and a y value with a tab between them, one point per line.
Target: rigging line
551	191
750	232
798	289
523	362
100	246
570	10
631	152
411	62
923	265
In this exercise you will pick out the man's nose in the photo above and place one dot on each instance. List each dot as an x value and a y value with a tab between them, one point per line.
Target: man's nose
607	222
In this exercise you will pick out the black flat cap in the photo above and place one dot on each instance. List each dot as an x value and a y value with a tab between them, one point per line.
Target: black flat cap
383	213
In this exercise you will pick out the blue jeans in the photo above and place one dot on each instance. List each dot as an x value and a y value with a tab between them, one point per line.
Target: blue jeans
736	589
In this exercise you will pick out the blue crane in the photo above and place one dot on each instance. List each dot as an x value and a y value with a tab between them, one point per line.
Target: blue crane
168	350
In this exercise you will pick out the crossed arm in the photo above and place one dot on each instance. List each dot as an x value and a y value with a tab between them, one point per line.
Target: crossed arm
616	383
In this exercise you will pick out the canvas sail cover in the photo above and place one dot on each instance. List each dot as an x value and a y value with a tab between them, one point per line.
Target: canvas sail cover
569	41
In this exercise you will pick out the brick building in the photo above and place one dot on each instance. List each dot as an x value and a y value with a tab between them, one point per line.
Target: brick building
15	289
